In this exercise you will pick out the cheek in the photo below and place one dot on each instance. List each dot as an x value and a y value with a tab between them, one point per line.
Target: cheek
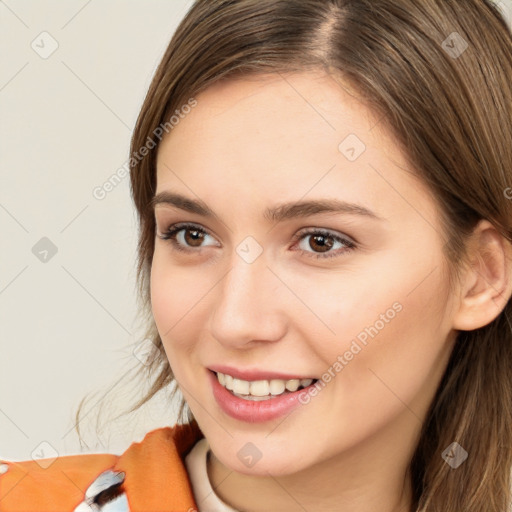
163	299
392	295
175	296
391	324
394	350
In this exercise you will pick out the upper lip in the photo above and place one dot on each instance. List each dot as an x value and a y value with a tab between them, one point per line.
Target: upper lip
254	374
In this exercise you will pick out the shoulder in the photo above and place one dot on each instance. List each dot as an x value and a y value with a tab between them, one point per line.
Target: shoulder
149	474
44	484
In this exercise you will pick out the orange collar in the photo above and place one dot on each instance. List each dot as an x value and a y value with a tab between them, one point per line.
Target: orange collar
156	476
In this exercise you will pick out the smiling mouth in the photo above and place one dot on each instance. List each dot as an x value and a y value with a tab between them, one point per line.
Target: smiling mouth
261	389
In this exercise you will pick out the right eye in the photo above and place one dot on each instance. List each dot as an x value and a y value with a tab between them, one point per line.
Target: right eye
185	236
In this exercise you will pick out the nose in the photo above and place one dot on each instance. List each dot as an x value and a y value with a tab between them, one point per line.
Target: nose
249	305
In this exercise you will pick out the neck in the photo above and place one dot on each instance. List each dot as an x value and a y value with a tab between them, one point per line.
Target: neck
368	477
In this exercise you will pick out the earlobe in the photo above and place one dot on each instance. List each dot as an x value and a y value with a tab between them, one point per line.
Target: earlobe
487	284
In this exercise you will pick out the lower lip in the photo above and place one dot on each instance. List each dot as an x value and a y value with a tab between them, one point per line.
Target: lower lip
254	411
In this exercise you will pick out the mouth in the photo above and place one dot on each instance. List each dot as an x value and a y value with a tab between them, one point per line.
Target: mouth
260	390
260	400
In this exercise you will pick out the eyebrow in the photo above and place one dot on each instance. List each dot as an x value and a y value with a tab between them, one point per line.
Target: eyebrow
278	213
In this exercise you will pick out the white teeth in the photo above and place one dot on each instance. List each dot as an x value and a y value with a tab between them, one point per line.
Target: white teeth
228	382
253	398
260	389
277	386
293	385
241	386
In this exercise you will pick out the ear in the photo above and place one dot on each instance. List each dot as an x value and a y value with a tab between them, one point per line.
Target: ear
487	284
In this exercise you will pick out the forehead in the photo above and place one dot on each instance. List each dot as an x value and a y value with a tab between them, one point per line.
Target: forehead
279	107
285	137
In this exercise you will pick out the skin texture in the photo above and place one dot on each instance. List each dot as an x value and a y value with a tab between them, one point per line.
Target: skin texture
249	145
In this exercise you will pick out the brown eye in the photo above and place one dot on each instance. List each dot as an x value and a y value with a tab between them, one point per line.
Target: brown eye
187	237
321	243
193	237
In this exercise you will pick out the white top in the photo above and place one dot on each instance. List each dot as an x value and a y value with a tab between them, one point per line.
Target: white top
205	496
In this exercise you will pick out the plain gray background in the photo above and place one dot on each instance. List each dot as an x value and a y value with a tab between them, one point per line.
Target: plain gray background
67	320
67	325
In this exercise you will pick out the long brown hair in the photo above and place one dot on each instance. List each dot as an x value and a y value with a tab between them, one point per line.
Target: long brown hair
438	73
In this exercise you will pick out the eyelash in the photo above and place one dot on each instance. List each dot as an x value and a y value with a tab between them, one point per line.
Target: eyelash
174	229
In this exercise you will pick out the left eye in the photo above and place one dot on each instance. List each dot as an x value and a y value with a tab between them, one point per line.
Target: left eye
186	237
323	241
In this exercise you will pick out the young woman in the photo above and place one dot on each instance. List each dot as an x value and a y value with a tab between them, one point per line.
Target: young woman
324	190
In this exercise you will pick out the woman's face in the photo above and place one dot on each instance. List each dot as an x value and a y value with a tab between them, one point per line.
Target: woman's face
354	294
